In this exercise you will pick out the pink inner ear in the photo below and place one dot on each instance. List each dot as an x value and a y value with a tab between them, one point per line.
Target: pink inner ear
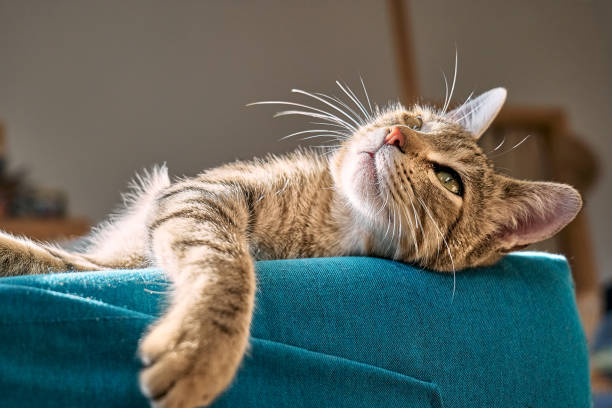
541	217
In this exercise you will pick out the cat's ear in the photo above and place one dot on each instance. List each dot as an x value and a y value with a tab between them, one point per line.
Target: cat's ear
477	114
530	211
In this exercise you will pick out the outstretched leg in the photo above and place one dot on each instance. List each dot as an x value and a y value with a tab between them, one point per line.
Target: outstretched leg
199	239
21	256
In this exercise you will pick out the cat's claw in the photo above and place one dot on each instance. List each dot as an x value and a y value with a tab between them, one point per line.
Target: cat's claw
185	366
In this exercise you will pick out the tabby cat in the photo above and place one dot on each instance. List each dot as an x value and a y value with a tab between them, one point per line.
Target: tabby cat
406	184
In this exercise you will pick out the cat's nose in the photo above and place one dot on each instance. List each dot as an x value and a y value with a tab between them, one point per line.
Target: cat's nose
396	138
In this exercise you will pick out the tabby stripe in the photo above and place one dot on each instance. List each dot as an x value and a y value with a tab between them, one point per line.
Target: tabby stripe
240	291
216	264
186	214
227	312
186	243
250	201
200	188
223	327
212	205
283	213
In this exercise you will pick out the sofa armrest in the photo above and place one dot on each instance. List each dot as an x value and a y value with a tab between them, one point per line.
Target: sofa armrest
354	332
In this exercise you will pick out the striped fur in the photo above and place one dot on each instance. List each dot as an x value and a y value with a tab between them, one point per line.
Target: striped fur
367	198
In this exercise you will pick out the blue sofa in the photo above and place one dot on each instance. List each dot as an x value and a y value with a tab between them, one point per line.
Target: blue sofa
337	332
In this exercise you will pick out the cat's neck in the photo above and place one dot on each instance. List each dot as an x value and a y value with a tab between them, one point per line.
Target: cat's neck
357	234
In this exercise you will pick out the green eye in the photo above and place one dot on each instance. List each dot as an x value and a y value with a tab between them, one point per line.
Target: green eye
449	179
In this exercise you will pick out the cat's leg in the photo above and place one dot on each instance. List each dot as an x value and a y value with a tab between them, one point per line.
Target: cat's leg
22	256
192	353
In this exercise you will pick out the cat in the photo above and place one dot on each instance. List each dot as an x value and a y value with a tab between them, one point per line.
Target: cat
407	184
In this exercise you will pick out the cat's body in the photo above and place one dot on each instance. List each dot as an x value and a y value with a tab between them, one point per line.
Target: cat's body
411	185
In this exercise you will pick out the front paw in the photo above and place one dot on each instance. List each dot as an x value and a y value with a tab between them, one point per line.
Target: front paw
189	362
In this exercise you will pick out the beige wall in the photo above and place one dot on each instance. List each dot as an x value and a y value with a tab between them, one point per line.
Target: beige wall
92	91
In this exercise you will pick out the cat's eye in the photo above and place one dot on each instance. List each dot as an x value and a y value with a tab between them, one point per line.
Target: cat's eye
413	122
449	179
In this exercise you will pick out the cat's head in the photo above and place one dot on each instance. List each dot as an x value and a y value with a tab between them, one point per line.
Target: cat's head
428	194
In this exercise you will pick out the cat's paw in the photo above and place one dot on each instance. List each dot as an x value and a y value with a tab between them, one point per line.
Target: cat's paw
188	363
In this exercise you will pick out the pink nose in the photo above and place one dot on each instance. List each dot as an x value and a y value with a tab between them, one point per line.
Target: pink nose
395	138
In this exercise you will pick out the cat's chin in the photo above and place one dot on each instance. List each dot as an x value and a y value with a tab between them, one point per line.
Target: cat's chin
361	183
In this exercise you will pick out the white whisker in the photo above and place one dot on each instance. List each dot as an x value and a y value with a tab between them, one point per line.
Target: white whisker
353	98
445	91
412	228
445	243
336	132
360	104
322	114
316	115
328	124
366	95
499	145
344	105
328	104
474	109
512	148
335	137
450	96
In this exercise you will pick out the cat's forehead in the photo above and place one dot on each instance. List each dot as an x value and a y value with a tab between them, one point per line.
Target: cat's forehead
434	121
443	132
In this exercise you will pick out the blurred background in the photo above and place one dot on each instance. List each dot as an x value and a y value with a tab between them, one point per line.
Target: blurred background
92	91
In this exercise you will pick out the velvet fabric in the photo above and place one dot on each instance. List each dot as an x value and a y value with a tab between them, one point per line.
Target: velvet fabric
330	332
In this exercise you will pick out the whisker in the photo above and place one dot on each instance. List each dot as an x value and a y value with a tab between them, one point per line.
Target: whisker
361	106
445	91
328	104
466	101
337	132
344	105
399	234
323	114
383	205
354	99
335	137
328	124
316	115
366	95
445	243
388	221
450	96
498	146
412	228
512	148
474	109
468	98
394	223
329	146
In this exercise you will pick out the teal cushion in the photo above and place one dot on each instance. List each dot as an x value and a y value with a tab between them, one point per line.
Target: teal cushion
335	332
